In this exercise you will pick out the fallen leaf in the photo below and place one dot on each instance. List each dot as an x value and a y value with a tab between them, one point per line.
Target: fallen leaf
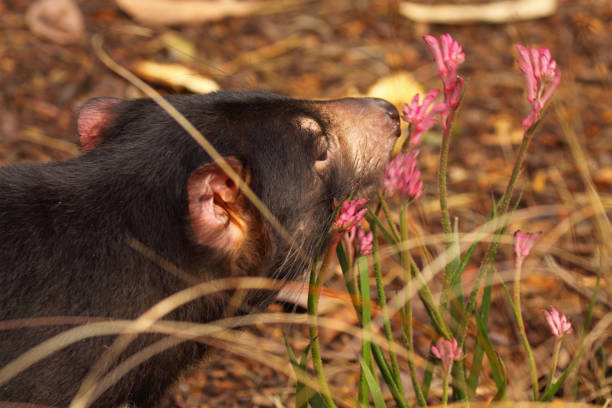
167	12
539	181
397	88
603	176
175	76
179	46
504	133
493	12
60	21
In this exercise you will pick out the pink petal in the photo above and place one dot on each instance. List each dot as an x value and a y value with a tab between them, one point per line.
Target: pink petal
429	97
526	68
434	47
551	88
453	100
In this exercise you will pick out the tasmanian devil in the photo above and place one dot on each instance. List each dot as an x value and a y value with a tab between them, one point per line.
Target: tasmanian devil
111	233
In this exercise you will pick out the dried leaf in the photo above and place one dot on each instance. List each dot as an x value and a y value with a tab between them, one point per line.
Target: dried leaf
179	46
167	12
175	76
603	176
58	20
494	12
504	133
539	181
398	88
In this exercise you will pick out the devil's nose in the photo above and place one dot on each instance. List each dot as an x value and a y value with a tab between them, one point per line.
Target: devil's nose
389	109
391	113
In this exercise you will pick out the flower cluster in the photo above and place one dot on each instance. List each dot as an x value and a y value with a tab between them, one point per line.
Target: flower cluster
447	351
403	177
348	222
422	117
351	214
558	322
523	242
542	78
363	241
448	54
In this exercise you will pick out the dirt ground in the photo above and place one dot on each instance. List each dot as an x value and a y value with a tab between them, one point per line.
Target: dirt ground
327	49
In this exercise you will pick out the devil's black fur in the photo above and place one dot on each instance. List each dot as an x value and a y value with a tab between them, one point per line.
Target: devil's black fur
66	228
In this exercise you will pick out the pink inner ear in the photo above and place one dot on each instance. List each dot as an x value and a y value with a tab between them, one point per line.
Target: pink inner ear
93	117
215	219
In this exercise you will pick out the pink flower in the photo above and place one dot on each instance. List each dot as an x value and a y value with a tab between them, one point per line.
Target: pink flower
558	323
447	351
421	117
523	242
541	76
363	241
351	214
447	53
403	177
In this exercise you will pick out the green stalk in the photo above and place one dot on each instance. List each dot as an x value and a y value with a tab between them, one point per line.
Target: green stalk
498	370
485	267
366	351
446	223
428	300
314	291
521	327
472	381
554	363
346	265
385	313
445	388
387	376
516	170
458	372
405	256
557	384
388	217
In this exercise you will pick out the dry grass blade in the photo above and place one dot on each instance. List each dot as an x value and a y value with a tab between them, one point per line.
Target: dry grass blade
604	227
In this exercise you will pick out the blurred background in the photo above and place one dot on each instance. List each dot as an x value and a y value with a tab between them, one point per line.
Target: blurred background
330	49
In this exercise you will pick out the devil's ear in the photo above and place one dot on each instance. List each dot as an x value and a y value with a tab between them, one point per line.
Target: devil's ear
216	210
93	118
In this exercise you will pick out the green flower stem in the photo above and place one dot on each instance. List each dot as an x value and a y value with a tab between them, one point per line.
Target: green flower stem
387	376
445	387
383	304
485	268
405	256
446	223
424	293
314	291
521	327
428	300
366	351
458	371
516	171
385	208
557	384
554	363
503	207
